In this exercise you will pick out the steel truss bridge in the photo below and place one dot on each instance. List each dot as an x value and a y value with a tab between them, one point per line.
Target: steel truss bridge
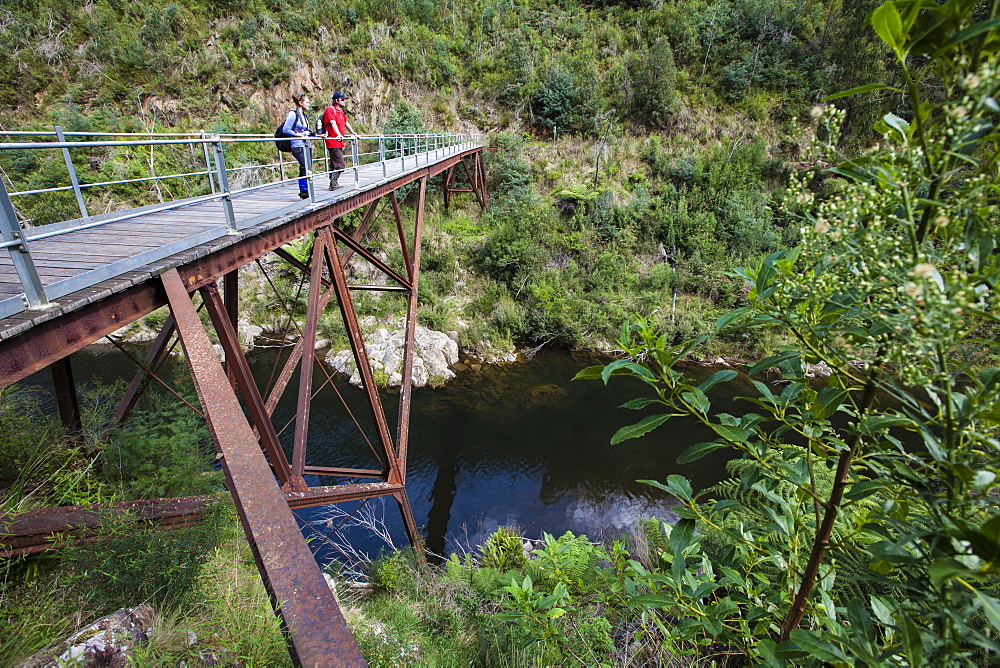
69	283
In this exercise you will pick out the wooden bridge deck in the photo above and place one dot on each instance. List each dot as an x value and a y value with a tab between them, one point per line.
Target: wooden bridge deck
82	266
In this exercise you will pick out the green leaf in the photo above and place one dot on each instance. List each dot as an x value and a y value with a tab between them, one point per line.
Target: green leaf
861	624
721	376
819	647
730	433
641	402
828	400
676	485
681	535
888	25
897	124
640	428
946	569
724	320
877	424
590	373
968	33
910	635
991	608
697	451
626	367
986	540
773	361
861	89
863	490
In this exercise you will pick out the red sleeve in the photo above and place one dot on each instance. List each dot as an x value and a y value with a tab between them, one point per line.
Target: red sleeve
327	117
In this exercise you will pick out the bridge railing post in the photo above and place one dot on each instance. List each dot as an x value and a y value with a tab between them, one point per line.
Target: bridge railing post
72	176
208	162
220	171
13	237
381	154
354	161
307	147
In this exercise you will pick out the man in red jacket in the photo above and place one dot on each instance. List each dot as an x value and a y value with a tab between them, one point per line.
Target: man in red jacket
334	124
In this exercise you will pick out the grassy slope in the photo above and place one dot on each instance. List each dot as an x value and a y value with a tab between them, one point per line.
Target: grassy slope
666	130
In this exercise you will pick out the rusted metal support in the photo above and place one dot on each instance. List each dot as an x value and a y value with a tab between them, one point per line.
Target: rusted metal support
66	397
321	496
358	347
157	354
406	388
359	234
346	473
367	255
308	339
416	540
231	298
295	262
246	384
449	175
402	235
482	180
47	528
478	179
315	627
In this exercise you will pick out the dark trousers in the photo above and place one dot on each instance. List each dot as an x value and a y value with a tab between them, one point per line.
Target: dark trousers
299	153
336	163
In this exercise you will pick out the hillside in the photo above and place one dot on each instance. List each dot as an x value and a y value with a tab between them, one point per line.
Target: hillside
643	144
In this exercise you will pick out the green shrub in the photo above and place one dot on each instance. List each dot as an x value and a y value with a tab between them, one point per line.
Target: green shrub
503	550
653	97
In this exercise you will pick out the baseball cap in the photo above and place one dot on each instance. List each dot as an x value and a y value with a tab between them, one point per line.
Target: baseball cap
339	96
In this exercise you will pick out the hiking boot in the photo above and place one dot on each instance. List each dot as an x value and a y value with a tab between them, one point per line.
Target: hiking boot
334	184
303	194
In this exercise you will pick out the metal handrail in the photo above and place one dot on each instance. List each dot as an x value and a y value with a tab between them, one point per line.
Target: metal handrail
403	151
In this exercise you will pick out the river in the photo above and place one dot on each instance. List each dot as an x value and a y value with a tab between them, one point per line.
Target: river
502	445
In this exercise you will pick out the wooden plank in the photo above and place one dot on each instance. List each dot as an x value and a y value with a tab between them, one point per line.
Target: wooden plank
7	266
136	237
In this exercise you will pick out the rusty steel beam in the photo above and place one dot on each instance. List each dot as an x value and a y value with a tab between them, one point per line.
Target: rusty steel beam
66	397
449	176
322	496
359	233
247	386
317	632
58	337
410	524
308	339
482	180
406	388
368	255
46	528
350	317
346	473
63	333
402	235
231	298
476	177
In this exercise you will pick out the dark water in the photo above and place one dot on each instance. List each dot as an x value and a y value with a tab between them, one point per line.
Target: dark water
519	444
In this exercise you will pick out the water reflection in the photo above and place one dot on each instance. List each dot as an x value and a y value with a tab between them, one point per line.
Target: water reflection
516	445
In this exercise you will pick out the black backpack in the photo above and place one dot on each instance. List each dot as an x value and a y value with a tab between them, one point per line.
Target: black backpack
284	145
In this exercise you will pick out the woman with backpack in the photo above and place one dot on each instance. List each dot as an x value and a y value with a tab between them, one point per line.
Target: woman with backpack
297	125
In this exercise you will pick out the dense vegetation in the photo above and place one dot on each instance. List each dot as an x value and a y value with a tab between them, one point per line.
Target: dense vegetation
643	147
673	127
